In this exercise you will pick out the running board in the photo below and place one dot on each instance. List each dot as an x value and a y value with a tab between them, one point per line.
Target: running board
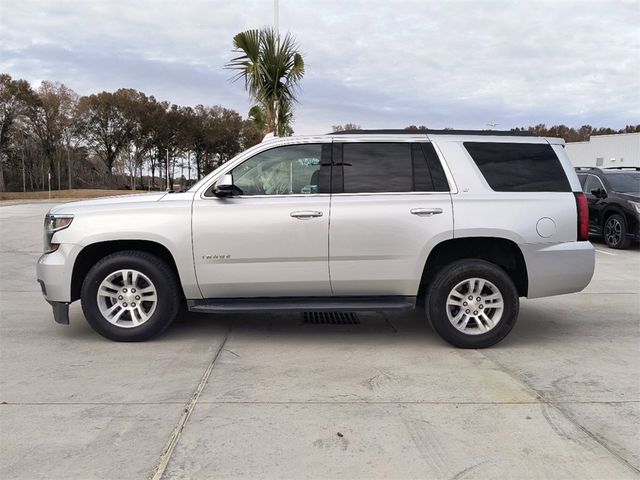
301	304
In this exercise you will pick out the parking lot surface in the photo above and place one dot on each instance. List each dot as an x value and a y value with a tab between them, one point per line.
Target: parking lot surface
269	396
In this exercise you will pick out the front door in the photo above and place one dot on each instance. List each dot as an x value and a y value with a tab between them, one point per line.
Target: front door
591	184
271	238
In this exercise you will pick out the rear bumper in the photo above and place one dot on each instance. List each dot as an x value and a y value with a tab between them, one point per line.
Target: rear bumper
556	269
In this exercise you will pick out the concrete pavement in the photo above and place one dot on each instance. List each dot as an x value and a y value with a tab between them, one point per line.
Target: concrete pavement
271	397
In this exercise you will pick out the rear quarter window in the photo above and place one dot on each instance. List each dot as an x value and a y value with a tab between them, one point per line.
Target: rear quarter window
519	167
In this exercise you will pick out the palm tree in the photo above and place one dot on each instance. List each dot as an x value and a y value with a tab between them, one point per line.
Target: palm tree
271	68
257	117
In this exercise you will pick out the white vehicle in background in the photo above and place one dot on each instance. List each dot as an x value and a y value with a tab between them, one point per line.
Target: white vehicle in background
460	222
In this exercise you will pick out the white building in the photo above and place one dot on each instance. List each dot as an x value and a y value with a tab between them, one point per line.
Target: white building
619	150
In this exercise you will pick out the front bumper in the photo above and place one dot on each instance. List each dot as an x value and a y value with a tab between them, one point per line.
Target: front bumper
54	271
60	309
60	312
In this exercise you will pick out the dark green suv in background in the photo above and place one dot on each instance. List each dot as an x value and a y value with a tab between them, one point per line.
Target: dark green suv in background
614	203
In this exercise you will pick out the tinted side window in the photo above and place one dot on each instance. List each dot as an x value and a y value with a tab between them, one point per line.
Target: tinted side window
519	167
438	177
421	177
377	167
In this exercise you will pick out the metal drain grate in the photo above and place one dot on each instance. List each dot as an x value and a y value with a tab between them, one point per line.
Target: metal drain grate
330	318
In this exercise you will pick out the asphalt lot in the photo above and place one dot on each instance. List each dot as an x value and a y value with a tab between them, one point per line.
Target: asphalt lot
277	398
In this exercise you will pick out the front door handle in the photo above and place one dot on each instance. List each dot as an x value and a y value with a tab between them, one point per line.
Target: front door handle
303	214
426	212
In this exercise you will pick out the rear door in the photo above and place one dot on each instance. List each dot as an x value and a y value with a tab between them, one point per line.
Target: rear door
388	209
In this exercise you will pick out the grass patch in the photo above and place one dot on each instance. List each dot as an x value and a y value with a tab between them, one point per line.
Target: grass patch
75	193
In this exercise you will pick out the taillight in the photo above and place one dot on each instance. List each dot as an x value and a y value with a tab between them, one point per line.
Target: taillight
583	216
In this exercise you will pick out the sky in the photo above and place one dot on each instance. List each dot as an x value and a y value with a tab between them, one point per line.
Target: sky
376	63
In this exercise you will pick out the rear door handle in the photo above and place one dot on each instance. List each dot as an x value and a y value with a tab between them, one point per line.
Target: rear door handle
302	214
426	212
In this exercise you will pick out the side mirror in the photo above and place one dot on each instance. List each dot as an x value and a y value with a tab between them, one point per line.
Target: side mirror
599	193
224	186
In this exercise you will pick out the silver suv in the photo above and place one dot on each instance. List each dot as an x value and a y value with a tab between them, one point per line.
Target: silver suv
462	223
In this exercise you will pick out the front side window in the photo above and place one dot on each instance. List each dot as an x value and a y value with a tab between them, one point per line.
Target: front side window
377	167
582	179
287	170
592	183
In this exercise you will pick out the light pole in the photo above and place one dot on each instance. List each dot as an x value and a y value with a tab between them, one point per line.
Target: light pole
275	15
276	27
24	175
69	163
168	180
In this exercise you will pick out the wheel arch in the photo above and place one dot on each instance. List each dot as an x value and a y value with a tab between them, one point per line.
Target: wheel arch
611	209
500	251
616	209
90	254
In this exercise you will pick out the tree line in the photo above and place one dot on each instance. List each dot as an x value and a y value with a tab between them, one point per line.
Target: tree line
569	134
117	139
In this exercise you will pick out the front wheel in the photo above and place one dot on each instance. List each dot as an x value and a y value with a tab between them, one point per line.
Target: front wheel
130	296
615	232
472	303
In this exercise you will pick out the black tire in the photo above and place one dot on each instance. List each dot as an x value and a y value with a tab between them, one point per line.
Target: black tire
615	232
449	277
156	270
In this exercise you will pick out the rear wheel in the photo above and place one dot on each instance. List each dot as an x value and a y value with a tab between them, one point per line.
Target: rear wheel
472	303
615	232
130	296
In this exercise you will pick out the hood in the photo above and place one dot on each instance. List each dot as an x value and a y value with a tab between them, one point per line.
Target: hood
629	196
107	201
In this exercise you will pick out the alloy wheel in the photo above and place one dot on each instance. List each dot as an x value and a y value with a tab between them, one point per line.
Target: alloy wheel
613	231
127	298
474	306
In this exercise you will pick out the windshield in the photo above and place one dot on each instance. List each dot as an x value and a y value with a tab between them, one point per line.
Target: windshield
627	182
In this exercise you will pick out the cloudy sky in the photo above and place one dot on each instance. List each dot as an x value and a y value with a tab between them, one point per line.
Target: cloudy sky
377	63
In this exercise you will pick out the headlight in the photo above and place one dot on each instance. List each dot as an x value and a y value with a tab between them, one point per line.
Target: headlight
54	223
635	205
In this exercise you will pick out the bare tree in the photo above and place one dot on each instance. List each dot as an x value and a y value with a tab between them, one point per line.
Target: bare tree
52	111
107	127
15	96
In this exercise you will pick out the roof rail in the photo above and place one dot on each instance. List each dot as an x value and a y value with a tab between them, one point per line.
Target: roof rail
501	133
637	169
587	168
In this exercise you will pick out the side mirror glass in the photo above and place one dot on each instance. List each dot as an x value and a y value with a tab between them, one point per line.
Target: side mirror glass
599	193
224	186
